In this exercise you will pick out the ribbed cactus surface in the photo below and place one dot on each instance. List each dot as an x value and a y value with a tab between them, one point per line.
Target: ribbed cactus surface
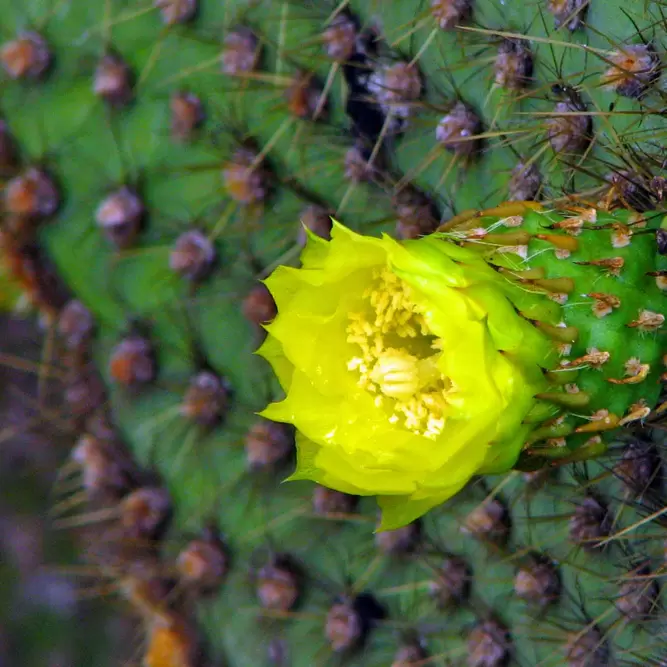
158	160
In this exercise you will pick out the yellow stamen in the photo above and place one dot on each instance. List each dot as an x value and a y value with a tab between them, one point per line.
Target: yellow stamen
397	360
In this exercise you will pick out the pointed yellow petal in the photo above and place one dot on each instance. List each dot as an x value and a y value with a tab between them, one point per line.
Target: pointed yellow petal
272	351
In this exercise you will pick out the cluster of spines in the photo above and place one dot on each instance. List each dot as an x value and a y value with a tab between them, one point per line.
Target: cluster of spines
516	238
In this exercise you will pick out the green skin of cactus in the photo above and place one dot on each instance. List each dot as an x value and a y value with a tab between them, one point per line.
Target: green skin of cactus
578	283
92	150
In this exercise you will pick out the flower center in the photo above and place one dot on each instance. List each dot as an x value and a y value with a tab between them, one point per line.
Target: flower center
398	355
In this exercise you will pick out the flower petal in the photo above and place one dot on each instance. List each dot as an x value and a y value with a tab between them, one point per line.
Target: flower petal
272	351
312	332
360	431
315	252
509	332
398	511
327	466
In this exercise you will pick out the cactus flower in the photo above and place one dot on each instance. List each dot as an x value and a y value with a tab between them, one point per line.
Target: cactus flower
410	367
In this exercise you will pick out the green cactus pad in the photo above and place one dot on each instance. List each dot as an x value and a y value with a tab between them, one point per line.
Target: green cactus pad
126	125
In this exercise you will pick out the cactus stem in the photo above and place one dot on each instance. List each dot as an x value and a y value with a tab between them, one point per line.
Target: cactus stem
636	412
593	357
602	420
510	239
592	448
503	210
562	334
604	303
559	285
636	372
613	265
562	377
534	274
573	401
561	241
648	321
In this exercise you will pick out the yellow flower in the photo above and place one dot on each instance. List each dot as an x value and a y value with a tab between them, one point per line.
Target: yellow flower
406	367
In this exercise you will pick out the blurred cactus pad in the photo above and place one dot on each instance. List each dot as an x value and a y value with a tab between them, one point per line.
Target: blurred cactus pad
158	159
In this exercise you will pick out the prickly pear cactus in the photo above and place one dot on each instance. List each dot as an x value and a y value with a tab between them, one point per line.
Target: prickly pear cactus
160	159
